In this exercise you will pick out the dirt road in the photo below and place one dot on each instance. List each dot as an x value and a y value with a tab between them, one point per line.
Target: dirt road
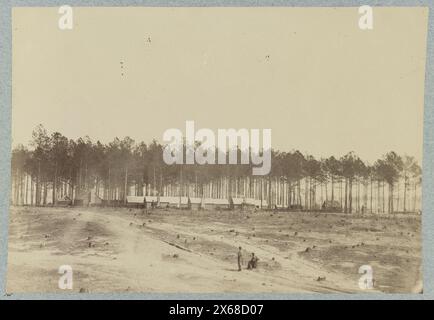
182	251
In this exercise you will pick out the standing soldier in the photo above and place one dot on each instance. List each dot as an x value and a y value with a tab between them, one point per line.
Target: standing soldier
240	258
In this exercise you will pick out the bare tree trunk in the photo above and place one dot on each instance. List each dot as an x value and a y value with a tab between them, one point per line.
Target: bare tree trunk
391	198
350	195
414	200
269	192
289	194
405	193
154	184
31	191
397	197
126	185
333	189
346	196
38	185
54	185
27	189
360	199
45	194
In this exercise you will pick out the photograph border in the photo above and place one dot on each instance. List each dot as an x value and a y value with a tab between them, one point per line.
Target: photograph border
5	148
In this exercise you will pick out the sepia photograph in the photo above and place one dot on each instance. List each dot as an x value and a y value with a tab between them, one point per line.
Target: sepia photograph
217	150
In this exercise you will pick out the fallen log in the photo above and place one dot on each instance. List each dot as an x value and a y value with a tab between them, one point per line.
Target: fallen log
177	246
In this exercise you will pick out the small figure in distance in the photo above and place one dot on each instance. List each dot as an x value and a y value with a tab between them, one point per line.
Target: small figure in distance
240	258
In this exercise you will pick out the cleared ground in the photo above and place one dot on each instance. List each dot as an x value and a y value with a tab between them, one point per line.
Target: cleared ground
196	251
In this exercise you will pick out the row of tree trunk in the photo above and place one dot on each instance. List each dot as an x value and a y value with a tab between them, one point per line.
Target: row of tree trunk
352	195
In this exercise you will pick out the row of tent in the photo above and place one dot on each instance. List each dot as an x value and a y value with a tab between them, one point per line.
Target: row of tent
194	203
91	199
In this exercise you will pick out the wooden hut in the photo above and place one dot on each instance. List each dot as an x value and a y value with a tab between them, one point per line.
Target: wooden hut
236	203
184	203
174	202
251	203
82	198
195	203
168	202
149	200
136	201
331	206
215	204
95	200
64	201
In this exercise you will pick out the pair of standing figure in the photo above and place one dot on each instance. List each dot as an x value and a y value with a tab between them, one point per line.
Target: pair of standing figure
252	264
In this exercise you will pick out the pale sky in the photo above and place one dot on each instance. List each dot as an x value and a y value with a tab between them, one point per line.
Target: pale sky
320	83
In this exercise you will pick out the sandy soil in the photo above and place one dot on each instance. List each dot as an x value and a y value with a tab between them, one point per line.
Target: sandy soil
118	250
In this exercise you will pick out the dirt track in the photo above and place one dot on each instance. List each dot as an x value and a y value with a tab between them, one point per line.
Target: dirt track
183	251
